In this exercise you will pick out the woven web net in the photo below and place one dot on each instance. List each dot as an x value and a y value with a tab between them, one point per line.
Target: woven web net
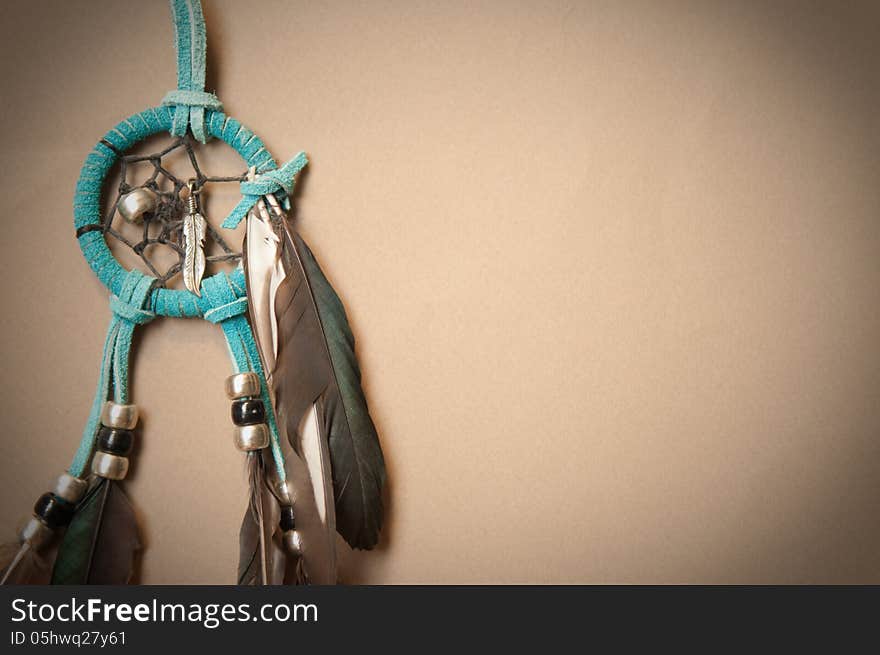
156	238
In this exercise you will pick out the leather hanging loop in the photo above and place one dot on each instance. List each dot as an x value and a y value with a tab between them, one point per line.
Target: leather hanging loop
190	100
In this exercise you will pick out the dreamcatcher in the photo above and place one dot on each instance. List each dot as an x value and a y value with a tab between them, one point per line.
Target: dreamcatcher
313	457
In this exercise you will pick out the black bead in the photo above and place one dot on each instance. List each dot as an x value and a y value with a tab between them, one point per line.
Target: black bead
53	511
115	441
287	522
248	411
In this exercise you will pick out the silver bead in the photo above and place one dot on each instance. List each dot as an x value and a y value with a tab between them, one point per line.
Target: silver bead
36	533
282	491
112	467
251	437
70	488
133	205
292	542
124	417
242	385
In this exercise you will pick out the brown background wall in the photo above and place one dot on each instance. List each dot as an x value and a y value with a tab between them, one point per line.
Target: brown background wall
614	270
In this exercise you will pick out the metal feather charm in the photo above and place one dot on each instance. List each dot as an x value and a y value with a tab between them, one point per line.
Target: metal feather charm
193	244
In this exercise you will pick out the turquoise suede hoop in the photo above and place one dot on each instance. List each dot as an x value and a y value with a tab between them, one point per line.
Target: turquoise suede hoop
87	200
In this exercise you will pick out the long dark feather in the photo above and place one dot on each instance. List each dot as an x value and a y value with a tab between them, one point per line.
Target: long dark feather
262	560
306	451
310	361
101	541
355	453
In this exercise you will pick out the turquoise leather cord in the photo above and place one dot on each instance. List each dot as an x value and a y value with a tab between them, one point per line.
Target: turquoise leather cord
128	308
226	304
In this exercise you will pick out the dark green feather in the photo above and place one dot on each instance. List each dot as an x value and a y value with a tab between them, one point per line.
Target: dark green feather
101	540
307	350
355	453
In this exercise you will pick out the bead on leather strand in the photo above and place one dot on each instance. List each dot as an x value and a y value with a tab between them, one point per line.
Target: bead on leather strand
292	542
109	466
116	415
251	437
290	536
287	520
242	385
115	440
53	510
70	488
248	412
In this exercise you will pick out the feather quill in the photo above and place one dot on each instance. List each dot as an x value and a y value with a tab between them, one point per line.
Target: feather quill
21	564
101	541
262	560
308	351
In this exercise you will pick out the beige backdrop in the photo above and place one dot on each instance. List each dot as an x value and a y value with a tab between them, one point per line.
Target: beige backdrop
614	271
